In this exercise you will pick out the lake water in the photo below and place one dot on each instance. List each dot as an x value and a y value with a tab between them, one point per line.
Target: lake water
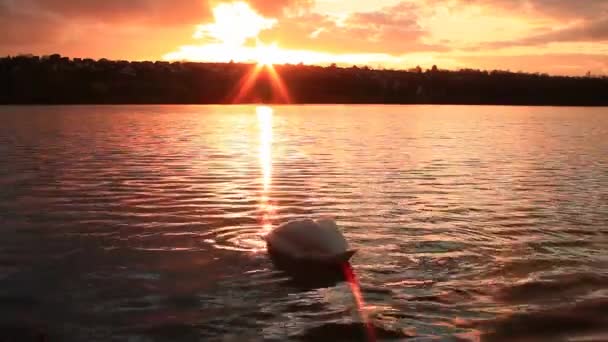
142	223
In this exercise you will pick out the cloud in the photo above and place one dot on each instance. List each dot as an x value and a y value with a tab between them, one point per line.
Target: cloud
558	64
409	32
592	31
152	11
39	33
595	31
392	30
567	8
158	11
511	23
562	9
37	25
276	8
22	28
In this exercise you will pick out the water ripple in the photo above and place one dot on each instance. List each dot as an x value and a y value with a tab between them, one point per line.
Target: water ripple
144	223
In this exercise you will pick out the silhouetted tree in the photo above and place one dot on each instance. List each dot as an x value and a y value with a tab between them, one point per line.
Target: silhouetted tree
56	79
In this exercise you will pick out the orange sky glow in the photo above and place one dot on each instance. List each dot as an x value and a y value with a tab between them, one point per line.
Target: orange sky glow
552	36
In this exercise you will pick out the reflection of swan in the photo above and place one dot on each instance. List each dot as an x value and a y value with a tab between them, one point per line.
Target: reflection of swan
308	247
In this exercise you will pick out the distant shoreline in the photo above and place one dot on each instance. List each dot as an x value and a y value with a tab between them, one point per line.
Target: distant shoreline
292	104
57	80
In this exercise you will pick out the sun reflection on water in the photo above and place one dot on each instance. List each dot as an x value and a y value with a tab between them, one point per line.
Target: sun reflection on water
264	114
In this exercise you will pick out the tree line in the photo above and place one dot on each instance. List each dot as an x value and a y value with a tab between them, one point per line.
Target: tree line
55	79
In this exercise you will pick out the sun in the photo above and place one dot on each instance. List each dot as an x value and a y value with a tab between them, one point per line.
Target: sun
267	55
224	30
228	37
234	35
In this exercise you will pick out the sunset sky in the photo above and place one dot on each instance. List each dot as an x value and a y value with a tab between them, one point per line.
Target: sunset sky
554	36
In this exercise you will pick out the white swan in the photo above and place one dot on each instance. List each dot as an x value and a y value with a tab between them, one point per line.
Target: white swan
308	242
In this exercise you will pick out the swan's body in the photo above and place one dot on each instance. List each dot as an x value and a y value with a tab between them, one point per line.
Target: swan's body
308	244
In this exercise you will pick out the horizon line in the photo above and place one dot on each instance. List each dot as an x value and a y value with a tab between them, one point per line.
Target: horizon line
365	67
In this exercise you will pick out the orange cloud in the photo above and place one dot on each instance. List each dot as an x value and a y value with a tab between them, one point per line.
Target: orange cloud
587	31
392	30
83	28
562	64
563	9
153	11
23	29
276	8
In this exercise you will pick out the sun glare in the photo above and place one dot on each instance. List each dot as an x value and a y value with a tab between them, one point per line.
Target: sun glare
264	114
234	24
228	36
268	54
